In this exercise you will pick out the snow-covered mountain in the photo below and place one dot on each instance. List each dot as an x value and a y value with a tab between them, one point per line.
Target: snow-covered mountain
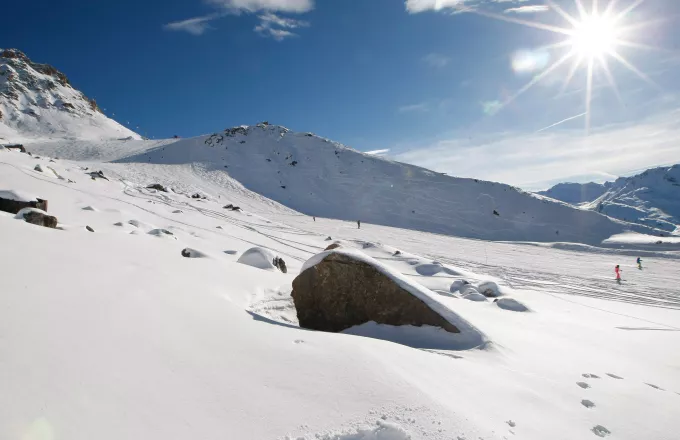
576	193
318	177
37	101
650	198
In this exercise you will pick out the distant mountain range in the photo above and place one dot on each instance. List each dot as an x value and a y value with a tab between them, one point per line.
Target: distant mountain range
650	198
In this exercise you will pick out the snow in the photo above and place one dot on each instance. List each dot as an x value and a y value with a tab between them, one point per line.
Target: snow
651	198
114	335
469	336
23	211
38	111
511	304
19	196
321	178
258	257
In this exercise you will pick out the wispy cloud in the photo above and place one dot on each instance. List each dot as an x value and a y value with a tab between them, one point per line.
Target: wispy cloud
194	26
270	25
413	108
276	27
536	161
436	60
378	152
416	6
527	9
290	6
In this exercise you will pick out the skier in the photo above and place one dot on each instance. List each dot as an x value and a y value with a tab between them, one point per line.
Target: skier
617	269
314	218
358	224
639	263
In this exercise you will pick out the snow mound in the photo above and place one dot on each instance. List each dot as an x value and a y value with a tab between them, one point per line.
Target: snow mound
258	257
383	431
469	336
457	285
18	196
511	304
193	253
489	289
22	213
427	269
162	233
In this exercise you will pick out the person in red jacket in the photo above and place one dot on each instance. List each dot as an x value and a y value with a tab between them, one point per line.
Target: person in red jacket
617	269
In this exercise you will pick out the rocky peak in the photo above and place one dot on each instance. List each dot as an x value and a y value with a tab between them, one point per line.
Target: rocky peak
26	87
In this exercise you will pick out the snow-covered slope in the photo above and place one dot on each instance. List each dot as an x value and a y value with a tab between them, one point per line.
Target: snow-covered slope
650	198
113	334
315	176
37	101
576	193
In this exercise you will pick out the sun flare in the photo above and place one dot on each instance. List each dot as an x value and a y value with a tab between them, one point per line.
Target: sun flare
594	36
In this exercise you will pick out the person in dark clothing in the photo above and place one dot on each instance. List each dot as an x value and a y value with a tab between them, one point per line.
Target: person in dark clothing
358	224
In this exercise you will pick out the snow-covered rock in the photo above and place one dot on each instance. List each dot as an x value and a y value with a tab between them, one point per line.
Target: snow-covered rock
261	258
37	217
511	304
344	288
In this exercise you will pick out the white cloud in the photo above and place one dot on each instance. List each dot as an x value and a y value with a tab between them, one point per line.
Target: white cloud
538	160
416	6
412	108
436	60
194	26
290	6
378	152
276	27
528	9
271	25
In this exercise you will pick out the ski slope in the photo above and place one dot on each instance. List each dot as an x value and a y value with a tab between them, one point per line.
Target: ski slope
113	334
318	177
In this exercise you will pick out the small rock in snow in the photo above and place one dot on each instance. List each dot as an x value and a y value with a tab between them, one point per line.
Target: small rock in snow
89	228
38	168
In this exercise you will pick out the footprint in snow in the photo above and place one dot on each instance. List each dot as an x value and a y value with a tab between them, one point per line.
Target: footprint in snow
614	376
511	423
587	403
600	431
590	376
655	386
299	341
583	385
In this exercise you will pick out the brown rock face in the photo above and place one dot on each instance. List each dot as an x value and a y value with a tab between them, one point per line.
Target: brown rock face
36	218
333	246
341	292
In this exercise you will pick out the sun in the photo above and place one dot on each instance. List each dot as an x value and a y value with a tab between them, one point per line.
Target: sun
593	37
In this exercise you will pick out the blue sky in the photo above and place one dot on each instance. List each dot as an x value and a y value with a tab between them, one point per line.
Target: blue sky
434	82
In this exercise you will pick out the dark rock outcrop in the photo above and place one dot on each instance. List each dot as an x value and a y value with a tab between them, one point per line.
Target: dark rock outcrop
157	187
14	206
280	264
333	246
341	292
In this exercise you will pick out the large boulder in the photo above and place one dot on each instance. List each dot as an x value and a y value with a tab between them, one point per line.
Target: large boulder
341	289
37	217
15	201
